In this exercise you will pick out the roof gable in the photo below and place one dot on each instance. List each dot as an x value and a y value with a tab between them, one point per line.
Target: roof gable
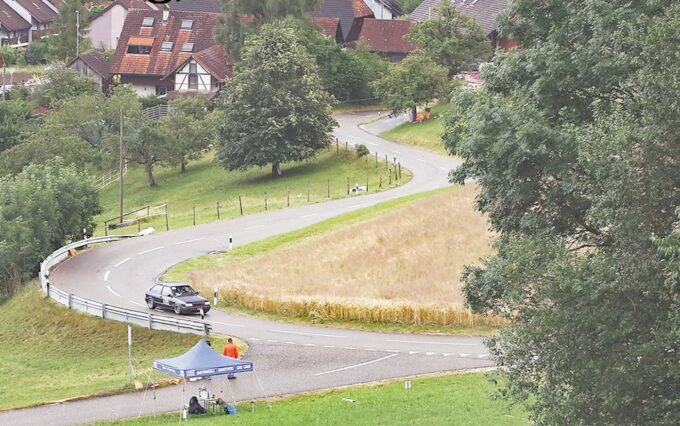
96	61
346	10
38	10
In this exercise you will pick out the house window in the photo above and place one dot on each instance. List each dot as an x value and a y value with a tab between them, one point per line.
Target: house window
187	24
166	46
188	47
139	50
148	22
193	76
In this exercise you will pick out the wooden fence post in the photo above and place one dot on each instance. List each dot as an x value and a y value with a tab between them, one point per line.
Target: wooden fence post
328	188
266	206
240	204
194	209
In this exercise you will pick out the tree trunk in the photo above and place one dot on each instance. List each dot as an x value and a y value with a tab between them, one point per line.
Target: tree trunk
414	113
148	167
183	167
276	169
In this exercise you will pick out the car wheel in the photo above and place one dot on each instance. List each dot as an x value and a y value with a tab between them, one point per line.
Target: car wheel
150	303
178	309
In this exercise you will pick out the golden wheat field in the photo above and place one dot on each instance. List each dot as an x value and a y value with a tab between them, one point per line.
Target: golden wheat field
403	266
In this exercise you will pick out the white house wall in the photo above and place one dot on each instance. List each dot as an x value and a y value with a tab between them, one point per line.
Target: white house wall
182	79
104	31
380	11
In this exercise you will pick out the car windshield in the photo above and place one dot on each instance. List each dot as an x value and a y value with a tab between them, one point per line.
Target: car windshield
183	290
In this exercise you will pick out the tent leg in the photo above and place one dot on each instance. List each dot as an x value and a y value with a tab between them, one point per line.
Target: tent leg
233	395
153	384
262	388
181	401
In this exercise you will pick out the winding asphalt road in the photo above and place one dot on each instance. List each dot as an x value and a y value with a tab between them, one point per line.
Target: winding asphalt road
288	358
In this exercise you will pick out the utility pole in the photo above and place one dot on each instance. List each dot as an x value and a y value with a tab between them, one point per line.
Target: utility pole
77	32
120	164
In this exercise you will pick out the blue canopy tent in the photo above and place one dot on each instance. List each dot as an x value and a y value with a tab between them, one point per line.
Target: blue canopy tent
202	361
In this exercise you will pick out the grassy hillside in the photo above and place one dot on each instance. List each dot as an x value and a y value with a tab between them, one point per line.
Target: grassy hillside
206	183
49	353
459	399
385	268
426	135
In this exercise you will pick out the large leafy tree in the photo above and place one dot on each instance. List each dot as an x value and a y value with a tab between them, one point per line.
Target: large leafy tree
14	121
275	109
65	42
60	83
243	17
452	39
575	143
417	80
41	209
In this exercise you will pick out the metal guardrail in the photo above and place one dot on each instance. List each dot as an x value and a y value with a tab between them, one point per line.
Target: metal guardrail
102	310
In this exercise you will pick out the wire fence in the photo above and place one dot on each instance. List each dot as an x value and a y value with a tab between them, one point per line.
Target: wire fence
381	173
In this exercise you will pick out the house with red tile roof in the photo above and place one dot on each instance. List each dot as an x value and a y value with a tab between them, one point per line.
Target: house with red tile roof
105	27
347	11
14	30
484	12
163	51
386	37
330	27
95	65
39	13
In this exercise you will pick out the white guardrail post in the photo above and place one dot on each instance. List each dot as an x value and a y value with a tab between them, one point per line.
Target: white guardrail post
154	322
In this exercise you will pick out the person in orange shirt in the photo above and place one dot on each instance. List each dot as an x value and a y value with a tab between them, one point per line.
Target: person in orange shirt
230	350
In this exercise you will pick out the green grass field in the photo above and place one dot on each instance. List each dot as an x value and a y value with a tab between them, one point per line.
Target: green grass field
426	135
50	353
206	183
458	399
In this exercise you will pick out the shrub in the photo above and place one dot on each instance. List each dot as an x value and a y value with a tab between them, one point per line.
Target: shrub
35	53
9	54
362	150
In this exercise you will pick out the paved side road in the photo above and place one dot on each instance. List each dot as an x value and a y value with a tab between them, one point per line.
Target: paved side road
288	358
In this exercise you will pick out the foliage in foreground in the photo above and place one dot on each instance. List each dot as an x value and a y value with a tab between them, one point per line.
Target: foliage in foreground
575	143
41	209
460	399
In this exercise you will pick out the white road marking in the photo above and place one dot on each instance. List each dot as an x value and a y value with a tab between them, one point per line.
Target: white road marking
397	152
254	227
308	344
482	356
444	169
290	343
272	341
112	290
137	303
413	352
307	334
370	350
150	250
430	353
464	355
329	346
394	351
421	160
227	324
254	339
189	241
106	275
309	215
449	354
433	343
122	261
357	365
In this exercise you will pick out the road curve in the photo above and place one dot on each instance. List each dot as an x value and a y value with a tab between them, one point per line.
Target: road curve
288	357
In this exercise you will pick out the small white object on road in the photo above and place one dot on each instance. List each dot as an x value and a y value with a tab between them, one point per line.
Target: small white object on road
146	231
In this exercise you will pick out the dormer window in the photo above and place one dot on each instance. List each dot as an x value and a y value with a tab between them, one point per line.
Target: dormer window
187	24
166	46
140	45
139	50
148	22
188	47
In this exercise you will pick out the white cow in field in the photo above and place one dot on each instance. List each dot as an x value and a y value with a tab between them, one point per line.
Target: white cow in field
358	188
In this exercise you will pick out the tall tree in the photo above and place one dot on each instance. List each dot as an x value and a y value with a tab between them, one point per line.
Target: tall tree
275	109
417	80
193	130
59	83
452	39
14	120
243	17
575	142
68	41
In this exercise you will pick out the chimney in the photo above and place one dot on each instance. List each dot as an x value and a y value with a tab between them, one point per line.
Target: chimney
166	13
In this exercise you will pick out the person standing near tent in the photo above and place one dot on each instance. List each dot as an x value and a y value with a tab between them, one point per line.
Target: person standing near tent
230	350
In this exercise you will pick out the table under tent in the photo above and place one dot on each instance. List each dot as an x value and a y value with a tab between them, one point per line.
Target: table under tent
202	361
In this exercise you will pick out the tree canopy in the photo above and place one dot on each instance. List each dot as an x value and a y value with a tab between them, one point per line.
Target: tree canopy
574	142
452	39
65	39
275	108
417	80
